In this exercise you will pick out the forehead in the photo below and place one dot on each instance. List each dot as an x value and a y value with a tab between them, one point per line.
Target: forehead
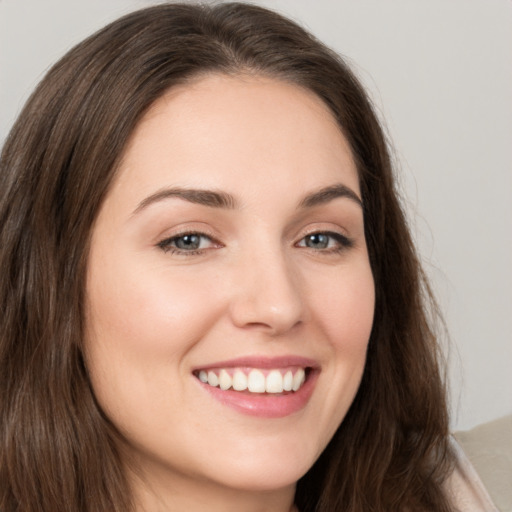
237	129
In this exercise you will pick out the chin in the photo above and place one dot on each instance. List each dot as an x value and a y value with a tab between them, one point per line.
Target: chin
265	478
266	468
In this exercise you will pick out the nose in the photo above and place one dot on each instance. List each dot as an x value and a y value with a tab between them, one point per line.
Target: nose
266	294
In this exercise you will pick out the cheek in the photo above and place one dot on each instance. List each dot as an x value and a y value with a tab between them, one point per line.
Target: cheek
341	303
345	316
346	308
149	312
141	324
357	318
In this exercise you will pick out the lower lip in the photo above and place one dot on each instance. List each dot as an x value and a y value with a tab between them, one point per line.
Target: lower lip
265	405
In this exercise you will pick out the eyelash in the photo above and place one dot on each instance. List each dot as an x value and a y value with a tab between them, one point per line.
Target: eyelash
342	243
166	246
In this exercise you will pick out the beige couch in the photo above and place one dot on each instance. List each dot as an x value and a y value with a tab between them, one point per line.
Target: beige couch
489	448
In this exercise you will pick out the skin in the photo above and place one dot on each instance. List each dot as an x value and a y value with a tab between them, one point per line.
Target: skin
255	287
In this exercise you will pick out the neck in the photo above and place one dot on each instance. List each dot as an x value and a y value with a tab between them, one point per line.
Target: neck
180	493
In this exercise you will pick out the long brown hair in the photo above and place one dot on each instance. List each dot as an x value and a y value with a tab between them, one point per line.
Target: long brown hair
58	452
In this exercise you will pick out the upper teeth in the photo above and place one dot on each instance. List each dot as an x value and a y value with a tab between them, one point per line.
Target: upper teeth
255	381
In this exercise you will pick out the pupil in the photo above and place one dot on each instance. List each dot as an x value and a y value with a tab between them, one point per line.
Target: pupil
188	242
317	240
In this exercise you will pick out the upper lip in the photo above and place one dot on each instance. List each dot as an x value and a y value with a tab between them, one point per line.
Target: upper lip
263	362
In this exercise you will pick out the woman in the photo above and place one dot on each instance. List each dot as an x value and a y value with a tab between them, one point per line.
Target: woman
210	297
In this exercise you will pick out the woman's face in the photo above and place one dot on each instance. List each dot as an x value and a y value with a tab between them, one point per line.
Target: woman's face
230	252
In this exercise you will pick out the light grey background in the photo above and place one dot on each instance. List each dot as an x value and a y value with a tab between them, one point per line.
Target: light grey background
440	72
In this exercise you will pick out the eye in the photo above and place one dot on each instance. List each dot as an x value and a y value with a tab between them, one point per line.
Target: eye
187	243
325	241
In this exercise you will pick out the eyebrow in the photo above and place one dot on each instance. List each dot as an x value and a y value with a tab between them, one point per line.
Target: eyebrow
218	199
327	194
211	198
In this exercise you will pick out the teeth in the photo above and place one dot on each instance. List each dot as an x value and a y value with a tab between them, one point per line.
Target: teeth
298	379
224	380
239	381
213	380
288	381
274	383
255	381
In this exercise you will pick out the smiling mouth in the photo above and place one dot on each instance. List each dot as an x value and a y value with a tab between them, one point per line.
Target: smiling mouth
255	380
